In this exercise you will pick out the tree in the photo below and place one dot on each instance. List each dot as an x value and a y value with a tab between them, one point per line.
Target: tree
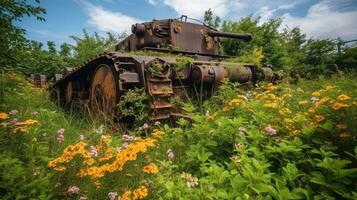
210	20
12	37
51	47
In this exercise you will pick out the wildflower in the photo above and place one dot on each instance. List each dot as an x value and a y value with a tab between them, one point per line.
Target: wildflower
170	154
284	111
235	159
288	120
314	99
157	134
81	137
270	131
99	130
13	112
157	123
299	90
319	118
15	120
21	129
303	102
337	106
329	87
146	126
238	145
73	190
112	195
30	122
321	102
60	131
343	97
242	130
151	169
191	181
83	198
3	116
140	193
316	93
341	126
93	151
270	105
60	138
127	138
225	109
34	113
311	110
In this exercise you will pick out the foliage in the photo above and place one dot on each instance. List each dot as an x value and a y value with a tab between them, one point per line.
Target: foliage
12	37
210	20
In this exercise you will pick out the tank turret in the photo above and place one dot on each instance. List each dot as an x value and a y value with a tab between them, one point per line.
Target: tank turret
177	35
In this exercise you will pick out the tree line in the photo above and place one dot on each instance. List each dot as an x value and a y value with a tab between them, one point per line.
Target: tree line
289	50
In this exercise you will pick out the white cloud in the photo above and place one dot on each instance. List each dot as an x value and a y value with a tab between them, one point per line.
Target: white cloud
323	21
266	13
152	2
105	20
196	8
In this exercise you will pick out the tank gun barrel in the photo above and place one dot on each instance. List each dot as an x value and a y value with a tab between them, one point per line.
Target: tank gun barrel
242	36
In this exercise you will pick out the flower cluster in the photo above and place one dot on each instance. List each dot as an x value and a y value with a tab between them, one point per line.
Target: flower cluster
190	180
151	169
15	125
140	193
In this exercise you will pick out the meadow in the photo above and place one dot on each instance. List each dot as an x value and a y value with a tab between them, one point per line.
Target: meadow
281	141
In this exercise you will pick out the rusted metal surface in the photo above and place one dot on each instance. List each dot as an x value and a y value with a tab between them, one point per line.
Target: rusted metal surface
39	80
101	82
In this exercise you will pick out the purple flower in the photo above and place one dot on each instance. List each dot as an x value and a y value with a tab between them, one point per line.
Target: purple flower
270	130
112	195
34	113
13	112
73	190
146	126
170	154
93	151
127	138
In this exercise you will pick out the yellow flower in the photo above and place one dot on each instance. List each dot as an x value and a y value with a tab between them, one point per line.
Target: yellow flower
3	116
157	134
319	118
151	169
337	106
341	126
321	102
21	129
316	93
225	109
270	105
126	196
311	110
303	102
329	87
284	111
235	102
288	121
343	97
30	122
299	90
140	193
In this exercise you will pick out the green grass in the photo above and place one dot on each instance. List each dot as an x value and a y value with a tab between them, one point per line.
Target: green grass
315	163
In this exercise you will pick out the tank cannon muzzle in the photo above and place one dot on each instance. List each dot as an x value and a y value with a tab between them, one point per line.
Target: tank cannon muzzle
245	36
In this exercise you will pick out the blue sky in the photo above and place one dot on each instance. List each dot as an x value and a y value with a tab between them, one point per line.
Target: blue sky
316	18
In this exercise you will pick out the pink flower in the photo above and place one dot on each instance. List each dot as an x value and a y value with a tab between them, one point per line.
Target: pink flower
146	126
269	130
34	113
13	112
127	138
93	151
170	154
112	195
73	190
242	130
60	131
83	198
14	120
60	138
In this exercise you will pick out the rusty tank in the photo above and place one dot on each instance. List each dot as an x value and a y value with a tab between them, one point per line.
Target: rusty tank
189	65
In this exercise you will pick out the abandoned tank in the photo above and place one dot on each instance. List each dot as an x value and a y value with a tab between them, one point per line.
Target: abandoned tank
190	66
